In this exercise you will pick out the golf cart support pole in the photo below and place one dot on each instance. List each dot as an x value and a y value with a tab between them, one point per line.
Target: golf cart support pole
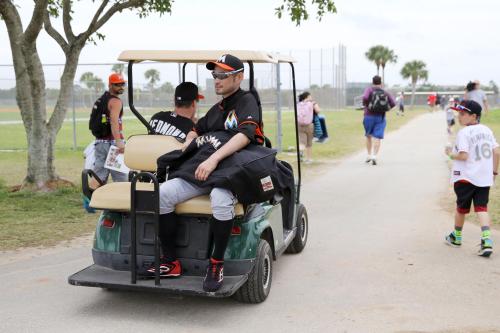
144	202
251	78
296	132
131	98
184	72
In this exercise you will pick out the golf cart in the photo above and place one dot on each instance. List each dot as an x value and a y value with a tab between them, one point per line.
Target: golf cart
126	236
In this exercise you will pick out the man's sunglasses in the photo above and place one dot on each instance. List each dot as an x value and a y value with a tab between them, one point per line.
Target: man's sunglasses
463	108
225	75
119	84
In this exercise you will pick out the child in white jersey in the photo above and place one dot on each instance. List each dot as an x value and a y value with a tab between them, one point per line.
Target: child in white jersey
475	164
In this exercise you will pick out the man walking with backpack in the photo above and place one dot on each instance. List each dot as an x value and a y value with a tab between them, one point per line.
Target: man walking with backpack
106	125
376	103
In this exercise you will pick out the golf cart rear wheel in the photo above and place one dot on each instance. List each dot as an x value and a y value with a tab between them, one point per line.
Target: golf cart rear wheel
299	241
258	285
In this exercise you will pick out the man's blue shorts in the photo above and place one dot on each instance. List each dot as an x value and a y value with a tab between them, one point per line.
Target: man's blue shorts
374	126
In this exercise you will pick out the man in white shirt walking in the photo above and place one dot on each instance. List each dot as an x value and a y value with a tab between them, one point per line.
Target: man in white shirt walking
475	164
477	95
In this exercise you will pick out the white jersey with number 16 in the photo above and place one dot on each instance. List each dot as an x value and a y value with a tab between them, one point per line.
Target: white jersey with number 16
478	141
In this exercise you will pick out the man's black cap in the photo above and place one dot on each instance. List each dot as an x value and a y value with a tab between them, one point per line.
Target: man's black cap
469	106
187	91
227	62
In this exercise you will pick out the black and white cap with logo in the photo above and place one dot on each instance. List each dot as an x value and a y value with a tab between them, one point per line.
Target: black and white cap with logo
227	62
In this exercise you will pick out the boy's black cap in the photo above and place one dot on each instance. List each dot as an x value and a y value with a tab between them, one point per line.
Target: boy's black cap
227	62
469	106
187	91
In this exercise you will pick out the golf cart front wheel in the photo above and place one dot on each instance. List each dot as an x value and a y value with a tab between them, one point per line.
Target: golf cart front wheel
299	241
258	285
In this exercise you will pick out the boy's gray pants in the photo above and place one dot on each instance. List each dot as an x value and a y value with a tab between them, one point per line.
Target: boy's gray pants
178	190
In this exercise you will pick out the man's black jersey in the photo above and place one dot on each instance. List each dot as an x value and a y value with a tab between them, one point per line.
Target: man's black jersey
169	123
238	113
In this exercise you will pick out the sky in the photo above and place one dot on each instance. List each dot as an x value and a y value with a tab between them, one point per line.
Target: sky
457	39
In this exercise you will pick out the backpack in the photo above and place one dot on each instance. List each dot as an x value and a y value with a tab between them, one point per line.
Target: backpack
379	101
305	113
99	123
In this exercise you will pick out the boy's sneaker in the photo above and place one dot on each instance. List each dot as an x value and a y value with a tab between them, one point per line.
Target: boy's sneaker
374	161
167	269
215	276
486	248
453	240
368	159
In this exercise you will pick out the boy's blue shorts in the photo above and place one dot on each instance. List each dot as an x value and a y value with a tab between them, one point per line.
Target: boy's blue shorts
374	126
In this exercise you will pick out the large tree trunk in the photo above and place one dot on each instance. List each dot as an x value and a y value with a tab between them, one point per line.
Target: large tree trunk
37	133
61	107
31	100
413	89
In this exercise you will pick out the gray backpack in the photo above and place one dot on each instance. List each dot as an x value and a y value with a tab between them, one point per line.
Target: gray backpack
379	101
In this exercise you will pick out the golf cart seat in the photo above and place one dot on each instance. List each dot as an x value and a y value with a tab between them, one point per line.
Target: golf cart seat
116	197
141	153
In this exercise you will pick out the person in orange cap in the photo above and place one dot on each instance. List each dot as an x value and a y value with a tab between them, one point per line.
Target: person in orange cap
106	125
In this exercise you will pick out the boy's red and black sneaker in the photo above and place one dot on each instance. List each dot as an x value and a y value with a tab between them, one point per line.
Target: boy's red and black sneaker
215	276
167	269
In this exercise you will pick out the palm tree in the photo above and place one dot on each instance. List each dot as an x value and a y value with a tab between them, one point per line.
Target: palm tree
167	87
415	70
88	79
387	56
374	54
98	84
118	68
153	76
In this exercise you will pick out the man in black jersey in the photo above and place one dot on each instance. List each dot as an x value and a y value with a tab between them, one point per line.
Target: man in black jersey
180	122
238	114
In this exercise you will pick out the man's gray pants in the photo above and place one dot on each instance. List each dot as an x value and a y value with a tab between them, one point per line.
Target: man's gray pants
178	190
101	152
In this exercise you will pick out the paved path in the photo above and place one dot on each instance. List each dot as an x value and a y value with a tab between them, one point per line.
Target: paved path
375	262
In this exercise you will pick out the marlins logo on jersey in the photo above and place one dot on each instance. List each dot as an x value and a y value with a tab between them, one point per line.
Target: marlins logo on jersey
231	121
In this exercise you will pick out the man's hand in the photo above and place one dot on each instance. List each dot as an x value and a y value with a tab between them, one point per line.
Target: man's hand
186	144
205	169
447	150
190	137
121	146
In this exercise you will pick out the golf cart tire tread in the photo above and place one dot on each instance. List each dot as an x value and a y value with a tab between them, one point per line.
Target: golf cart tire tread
251	291
297	245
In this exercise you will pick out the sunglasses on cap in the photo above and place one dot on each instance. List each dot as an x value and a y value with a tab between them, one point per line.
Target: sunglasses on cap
463	108
225	75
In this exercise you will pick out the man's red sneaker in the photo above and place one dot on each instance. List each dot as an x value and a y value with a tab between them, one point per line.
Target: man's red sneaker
167	269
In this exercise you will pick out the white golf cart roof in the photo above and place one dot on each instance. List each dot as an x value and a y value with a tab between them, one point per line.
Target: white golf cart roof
203	56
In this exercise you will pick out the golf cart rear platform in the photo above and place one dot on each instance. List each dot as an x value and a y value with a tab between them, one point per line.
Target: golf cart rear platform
98	276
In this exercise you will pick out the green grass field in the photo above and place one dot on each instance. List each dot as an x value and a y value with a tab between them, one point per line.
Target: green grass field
28	219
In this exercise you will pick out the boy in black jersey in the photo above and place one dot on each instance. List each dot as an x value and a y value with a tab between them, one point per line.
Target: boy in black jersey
179	122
